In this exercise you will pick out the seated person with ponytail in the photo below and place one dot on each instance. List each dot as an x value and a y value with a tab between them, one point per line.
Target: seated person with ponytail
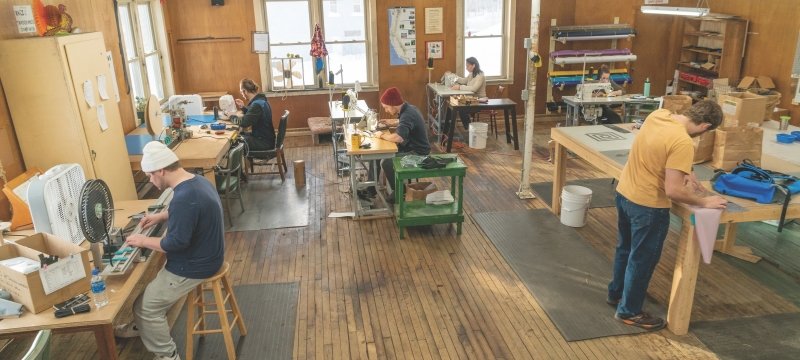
257	117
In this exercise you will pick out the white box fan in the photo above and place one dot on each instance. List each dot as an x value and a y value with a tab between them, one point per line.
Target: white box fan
53	198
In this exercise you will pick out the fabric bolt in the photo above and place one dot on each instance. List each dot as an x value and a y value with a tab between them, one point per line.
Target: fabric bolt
706	224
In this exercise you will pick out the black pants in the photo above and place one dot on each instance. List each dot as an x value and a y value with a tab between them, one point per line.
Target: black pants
387	165
465	118
609	116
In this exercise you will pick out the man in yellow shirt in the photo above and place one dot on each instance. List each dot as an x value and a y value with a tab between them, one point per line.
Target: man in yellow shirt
658	167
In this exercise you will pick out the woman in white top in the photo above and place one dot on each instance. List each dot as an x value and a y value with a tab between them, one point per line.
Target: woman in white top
475	82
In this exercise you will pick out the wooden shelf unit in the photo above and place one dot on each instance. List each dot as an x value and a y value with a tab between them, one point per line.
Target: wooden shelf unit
554	38
718	39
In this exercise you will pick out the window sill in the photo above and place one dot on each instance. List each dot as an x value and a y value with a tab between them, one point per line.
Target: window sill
337	90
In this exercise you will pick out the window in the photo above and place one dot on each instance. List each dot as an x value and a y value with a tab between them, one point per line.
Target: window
488	36
348	38
141	27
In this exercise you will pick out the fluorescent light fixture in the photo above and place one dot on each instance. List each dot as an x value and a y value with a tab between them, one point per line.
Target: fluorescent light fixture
673	10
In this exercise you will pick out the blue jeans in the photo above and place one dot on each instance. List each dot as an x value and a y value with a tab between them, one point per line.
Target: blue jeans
641	235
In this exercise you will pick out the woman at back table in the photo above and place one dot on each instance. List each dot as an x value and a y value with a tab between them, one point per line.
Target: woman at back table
475	82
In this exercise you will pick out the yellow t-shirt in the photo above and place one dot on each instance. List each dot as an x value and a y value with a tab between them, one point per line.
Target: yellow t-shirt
661	144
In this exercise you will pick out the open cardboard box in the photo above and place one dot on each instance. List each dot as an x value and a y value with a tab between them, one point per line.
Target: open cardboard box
740	108
27	289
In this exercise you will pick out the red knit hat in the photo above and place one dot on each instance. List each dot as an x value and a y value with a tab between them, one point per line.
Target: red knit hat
392	97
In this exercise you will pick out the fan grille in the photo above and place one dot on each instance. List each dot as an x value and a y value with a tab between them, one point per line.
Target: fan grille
96	210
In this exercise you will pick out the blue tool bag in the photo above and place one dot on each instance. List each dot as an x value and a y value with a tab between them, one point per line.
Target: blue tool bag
751	182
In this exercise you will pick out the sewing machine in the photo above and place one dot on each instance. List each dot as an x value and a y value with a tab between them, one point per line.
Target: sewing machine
593	89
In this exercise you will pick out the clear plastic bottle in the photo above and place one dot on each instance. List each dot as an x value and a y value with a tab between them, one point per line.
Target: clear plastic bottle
99	289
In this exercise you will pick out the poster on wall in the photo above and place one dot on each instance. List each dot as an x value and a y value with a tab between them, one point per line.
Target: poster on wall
402	36
656	2
435	49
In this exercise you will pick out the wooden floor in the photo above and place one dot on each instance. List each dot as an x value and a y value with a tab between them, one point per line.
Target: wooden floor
366	294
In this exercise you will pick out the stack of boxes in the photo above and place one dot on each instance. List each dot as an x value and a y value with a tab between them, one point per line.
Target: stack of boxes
740	136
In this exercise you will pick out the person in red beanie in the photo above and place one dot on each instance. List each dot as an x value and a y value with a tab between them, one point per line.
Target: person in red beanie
410	136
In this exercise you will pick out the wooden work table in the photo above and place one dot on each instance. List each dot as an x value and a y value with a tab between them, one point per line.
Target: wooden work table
378	150
597	144
122	291
203	151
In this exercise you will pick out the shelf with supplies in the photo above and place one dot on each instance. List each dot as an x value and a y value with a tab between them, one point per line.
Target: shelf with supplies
712	47
568	59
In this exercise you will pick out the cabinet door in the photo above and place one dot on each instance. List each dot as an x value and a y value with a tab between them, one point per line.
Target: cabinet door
86	63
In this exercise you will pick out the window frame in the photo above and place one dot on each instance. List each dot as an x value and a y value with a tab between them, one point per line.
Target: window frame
507	72
160	44
316	17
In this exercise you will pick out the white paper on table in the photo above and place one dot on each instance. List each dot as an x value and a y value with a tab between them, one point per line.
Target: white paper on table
101	86
101	117
61	273
88	93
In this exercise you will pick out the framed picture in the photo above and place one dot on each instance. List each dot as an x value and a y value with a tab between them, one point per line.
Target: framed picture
435	49
260	42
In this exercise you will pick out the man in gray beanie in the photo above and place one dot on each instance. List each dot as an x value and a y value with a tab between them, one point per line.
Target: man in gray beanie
194	245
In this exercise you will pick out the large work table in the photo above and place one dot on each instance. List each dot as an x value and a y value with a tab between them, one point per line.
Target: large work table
122	291
203	151
607	148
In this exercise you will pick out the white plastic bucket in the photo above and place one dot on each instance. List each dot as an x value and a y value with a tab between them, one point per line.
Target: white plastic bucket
574	205
477	135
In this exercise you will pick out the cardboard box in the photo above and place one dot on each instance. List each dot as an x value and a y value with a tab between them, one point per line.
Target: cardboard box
704	147
732	145
419	190
764	82
741	108
27	289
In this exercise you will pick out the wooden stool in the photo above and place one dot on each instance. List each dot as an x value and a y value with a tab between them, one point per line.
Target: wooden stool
216	283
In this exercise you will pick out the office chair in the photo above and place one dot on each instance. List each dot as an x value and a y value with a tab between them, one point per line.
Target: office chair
229	179
264	157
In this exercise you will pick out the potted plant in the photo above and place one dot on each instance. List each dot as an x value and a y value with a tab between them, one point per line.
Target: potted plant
141	106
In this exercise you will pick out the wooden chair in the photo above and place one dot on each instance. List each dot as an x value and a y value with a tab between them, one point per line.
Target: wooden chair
197	305
498	94
229	179
265	157
40	349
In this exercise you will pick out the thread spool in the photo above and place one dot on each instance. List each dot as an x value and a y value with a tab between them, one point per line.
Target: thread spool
299	173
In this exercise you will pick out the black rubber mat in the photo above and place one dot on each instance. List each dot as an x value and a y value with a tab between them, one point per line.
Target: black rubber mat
770	337
603	191
268	204
269	312
567	277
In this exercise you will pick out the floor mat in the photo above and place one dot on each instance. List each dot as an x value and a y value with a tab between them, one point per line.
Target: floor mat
763	337
566	276
269	312
603	191
268	204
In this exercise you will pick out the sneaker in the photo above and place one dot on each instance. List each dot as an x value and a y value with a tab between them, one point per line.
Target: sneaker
174	356
126	331
644	321
612	302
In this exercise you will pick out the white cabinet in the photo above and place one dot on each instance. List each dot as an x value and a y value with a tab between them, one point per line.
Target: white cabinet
47	81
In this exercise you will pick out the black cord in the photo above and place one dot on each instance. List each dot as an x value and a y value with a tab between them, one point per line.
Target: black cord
73	310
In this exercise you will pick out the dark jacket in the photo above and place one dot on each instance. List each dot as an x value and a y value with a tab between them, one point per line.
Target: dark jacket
258	115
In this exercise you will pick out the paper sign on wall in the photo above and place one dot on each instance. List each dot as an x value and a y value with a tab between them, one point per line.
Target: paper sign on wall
88	93
101	87
101	117
61	273
25	22
111	71
656	2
